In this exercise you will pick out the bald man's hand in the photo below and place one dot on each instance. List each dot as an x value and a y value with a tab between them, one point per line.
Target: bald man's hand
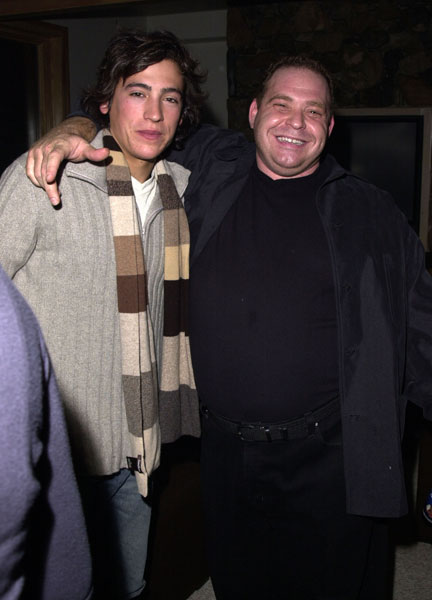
67	141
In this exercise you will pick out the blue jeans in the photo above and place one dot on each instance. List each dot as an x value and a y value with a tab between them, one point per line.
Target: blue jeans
118	521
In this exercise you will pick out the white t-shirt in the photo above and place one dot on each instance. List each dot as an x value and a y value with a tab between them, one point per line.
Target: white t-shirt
144	194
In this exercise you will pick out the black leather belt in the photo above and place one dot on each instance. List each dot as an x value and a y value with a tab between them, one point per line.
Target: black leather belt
294	429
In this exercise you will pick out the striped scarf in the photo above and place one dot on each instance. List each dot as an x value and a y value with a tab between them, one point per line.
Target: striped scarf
144	392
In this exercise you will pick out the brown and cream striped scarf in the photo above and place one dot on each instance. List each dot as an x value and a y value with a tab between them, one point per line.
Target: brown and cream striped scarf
144	392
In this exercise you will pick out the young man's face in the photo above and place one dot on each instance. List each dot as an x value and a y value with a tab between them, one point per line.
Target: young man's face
144	114
292	123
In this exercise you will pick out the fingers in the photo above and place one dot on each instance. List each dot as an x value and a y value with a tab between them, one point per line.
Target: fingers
52	192
62	142
51	163
96	154
48	171
45	157
41	168
33	166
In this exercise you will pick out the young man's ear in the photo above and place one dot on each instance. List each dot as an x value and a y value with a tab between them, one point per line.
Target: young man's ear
104	108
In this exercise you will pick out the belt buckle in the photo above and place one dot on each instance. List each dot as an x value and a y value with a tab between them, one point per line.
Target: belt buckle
240	427
262	428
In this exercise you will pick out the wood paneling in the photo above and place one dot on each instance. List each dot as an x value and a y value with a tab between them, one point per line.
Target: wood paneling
33	7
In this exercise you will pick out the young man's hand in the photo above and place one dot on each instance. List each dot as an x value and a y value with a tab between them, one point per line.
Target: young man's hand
67	141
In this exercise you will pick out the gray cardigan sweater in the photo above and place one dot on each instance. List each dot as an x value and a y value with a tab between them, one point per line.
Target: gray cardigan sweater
63	263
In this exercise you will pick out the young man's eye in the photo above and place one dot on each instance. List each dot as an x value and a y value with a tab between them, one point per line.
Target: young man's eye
137	94
172	100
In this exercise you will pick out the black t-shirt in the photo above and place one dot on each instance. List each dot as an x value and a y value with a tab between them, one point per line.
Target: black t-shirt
263	314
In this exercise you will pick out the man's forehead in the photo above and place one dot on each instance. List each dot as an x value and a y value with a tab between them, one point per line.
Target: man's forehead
292	77
162	72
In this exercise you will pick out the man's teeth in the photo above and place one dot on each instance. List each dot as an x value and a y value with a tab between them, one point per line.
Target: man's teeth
282	138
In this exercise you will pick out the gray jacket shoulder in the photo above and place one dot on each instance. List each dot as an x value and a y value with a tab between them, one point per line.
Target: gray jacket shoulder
179	174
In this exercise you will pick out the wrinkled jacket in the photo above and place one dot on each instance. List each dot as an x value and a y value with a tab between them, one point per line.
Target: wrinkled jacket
384	307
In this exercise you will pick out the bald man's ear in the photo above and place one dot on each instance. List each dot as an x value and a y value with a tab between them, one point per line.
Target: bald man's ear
253	110
331	125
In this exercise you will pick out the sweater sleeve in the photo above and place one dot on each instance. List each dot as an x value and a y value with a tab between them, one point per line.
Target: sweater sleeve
19	208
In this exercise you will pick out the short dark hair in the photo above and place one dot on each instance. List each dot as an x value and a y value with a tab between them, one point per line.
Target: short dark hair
132	51
299	61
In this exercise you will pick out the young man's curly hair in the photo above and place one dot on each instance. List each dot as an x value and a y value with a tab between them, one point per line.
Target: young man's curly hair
132	51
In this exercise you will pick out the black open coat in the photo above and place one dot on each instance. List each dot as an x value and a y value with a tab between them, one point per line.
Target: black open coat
384	307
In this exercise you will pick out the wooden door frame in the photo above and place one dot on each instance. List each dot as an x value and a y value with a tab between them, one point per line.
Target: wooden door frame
51	43
19	8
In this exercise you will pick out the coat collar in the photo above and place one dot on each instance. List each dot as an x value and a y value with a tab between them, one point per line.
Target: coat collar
233	170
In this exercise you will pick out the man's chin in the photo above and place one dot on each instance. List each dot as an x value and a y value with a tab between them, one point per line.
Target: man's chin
153	154
296	169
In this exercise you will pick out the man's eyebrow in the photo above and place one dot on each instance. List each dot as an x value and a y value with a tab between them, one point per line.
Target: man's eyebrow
289	99
280	97
148	88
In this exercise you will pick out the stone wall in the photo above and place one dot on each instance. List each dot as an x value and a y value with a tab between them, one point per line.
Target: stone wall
379	52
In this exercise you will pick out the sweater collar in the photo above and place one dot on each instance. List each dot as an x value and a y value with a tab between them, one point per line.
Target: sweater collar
95	173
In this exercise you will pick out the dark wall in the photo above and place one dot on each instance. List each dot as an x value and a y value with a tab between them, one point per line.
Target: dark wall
19	105
379	52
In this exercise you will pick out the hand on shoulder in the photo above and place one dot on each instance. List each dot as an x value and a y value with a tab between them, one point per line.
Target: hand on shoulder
67	141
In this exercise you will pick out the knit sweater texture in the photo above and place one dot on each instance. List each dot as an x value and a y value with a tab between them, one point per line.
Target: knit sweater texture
63	262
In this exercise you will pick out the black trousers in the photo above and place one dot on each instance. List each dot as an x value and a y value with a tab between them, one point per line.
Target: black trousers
276	523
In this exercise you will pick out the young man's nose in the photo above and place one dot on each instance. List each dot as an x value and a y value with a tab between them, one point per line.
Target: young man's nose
153	109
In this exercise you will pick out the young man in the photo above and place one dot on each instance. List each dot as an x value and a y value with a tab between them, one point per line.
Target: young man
310	330
107	276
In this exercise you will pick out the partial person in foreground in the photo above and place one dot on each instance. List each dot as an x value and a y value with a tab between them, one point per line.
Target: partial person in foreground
107	276
311	328
44	553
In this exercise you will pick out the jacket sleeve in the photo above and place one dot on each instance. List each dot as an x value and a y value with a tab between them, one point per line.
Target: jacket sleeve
18	414
204	142
43	541
418	377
